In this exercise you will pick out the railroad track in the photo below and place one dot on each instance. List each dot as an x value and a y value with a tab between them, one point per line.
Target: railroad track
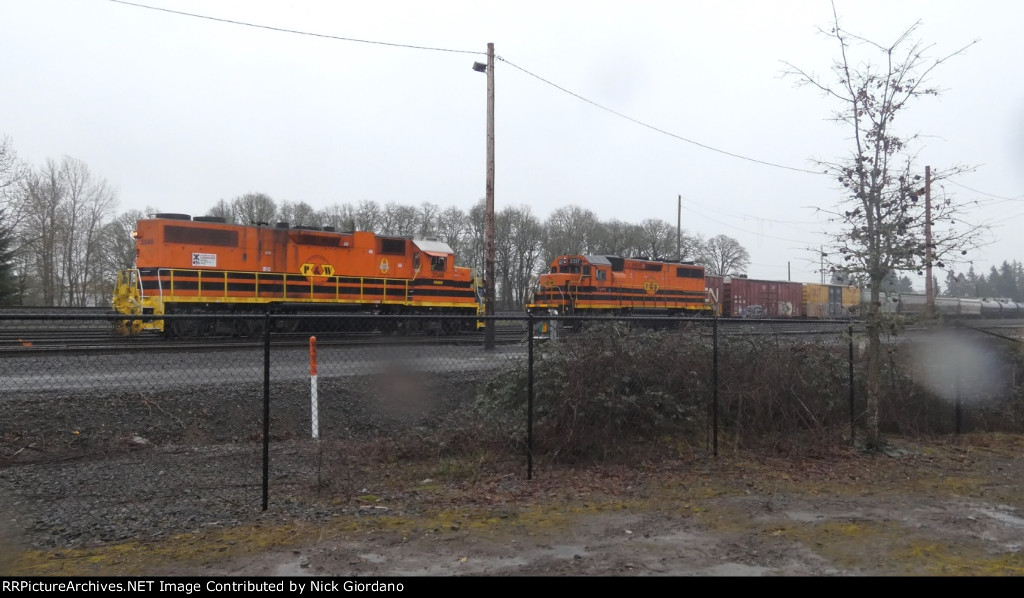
36	331
33	330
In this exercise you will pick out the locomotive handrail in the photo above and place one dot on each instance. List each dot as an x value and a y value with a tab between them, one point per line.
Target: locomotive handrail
160	281
181	270
393	290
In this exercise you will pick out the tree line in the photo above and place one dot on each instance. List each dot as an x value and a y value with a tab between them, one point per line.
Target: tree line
1004	282
62	239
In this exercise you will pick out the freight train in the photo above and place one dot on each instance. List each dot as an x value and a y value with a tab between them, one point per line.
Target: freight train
204	266
914	305
612	285
615	286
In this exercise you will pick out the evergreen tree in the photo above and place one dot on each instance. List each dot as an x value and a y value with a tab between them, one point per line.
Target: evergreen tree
1007	286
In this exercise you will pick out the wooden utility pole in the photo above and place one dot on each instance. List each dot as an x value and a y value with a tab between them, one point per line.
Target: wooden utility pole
489	213
929	294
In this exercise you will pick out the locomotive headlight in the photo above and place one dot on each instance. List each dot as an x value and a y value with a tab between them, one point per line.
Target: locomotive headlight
135	234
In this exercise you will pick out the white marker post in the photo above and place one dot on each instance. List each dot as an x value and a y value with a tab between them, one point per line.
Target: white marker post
312	388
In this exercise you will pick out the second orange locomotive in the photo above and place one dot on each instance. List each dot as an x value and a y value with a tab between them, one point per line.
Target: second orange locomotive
608	284
207	266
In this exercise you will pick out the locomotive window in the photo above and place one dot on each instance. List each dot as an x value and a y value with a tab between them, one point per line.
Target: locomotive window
308	239
437	263
653	267
586	270
201	236
392	246
599	274
554	269
688	273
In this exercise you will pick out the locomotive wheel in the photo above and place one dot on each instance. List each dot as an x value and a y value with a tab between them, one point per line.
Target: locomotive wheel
185	328
450	327
248	327
287	325
388	326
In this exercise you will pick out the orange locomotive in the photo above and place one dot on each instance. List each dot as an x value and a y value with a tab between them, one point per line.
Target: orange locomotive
205	266
608	284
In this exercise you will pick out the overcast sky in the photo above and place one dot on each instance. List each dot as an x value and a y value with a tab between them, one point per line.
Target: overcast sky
177	112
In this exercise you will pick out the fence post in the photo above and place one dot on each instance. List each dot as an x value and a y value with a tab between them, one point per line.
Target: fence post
957	347
529	397
314	410
714	386
266	406
852	417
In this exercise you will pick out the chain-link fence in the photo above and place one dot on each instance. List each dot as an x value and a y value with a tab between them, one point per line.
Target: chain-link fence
103	434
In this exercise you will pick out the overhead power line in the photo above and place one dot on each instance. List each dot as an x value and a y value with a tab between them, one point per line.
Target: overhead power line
1018	198
295	31
517	67
513	65
652	127
751	232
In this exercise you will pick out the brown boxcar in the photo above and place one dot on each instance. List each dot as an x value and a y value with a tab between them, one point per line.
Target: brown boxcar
715	288
750	298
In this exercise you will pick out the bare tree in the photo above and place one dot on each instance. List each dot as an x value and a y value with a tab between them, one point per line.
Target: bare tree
298	213
571	230
341	217
118	246
368	216
40	231
12	172
223	209
398	219
616	237
723	256
89	202
518	237
253	208
658	239
427	218
8	284
882	215
453	228
690	246
64	209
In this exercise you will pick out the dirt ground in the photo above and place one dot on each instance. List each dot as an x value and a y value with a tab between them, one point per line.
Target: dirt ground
944	507
940	509
167	483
